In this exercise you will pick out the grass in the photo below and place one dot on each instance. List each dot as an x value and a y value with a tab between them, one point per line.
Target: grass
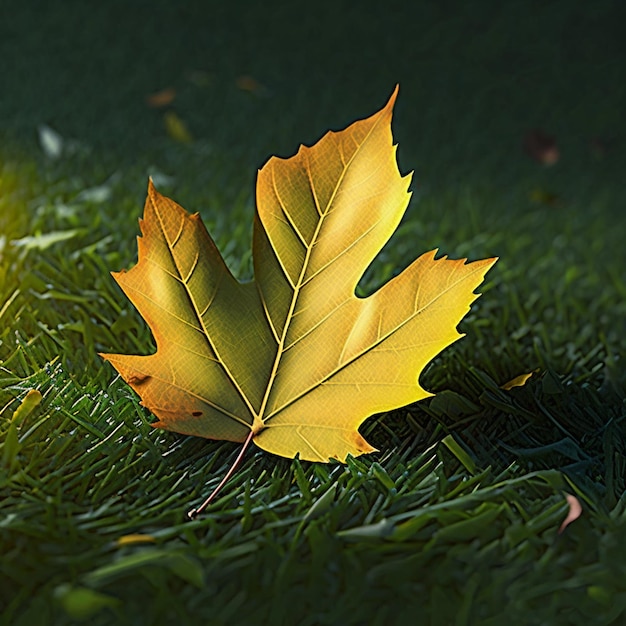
456	520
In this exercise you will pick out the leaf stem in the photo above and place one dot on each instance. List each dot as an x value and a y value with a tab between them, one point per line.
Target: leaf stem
195	512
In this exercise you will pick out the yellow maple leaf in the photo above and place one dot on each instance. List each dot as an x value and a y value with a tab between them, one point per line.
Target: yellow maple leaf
294	360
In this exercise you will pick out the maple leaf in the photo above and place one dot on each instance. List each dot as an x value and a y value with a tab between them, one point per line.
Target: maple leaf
294	360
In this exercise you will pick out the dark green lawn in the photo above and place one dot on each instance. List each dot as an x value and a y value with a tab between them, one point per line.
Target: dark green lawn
456	520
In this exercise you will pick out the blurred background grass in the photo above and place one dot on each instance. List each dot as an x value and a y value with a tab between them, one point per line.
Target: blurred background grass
252	80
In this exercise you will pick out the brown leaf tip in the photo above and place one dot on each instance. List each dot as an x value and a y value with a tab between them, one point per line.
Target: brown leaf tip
361	444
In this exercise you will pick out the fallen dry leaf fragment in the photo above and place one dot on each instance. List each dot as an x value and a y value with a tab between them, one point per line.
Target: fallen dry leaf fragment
541	147
161	98
518	381
575	510
294	360
176	128
134	539
251	85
